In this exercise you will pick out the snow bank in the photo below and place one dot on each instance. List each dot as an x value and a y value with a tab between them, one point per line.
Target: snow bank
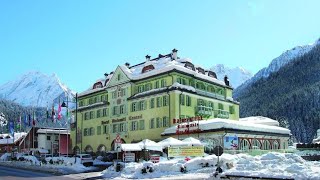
275	165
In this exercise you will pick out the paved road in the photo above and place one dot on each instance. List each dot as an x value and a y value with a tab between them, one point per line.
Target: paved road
9	173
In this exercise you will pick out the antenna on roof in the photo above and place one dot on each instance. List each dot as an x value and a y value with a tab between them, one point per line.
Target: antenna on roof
148	58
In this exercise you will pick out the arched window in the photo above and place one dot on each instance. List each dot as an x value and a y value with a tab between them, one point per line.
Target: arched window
275	144
189	65
244	145
266	144
200	70
212	74
256	144
97	85
147	68
88	149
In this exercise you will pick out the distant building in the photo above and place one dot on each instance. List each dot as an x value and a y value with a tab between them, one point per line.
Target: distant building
7	142
145	100
52	139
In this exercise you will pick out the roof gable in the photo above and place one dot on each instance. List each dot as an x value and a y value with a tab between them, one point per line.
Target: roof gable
119	77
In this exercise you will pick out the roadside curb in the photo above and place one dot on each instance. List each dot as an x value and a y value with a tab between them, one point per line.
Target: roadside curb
28	166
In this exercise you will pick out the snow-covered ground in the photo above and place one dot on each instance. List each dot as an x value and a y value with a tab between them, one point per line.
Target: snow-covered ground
272	165
61	165
275	165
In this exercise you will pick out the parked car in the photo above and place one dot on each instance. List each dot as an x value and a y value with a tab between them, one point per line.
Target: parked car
110	156
85	159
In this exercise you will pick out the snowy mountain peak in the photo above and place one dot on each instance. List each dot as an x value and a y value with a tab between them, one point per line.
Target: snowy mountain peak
277	63
237	75
34	89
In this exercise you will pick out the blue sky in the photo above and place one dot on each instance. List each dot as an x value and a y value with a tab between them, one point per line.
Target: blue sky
81	40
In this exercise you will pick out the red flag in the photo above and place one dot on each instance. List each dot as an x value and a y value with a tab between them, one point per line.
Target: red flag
59	112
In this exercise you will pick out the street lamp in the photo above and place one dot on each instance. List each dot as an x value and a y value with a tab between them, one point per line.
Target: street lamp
66	105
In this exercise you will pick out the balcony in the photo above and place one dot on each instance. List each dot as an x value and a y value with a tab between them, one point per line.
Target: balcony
204	110
210	94
221	114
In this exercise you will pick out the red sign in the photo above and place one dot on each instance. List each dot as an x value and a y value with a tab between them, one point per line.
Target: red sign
155	159
118	139
190	119
190	125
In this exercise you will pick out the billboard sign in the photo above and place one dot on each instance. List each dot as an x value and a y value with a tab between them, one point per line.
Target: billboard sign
231	142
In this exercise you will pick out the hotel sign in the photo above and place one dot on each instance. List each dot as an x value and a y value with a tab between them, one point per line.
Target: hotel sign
190	119
119	120
135	117
189	126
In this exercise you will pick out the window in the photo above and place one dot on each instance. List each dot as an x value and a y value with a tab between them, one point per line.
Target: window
157	84
86	116
115	128
182	101
220	106
98	113
151	103
148	86
244	145
134	125
122	127
98	130
152	123
95	99
256	144
231	109
210	104
142	105
114	95
266	145
165	100
140	88
91	132
141	125
115	110
85	132
122	109
181	81
191	83
165	121
188	100
134	107
119	92
91	114
275	145
123	92
119	77
105	112
105	129
81	103
48	138
158	101
163	83
159	124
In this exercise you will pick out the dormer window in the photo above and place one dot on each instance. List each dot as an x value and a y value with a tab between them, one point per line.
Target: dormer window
147	68
189	65
97	85
200	70
212	74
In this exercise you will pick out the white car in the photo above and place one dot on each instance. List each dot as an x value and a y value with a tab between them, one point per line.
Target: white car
86	159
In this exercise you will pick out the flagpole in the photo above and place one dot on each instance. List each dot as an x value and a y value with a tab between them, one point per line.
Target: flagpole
67	127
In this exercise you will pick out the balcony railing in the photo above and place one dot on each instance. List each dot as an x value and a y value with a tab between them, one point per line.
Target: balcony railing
219	113
204	110
210	94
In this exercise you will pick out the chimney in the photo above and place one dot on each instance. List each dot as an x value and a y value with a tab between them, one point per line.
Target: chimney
226	80
106	74
148	58
127	64
174	54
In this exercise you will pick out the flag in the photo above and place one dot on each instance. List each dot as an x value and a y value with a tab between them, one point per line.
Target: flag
59	111
26	120
52	113
18	125
47	113
11	128
29	120
34	119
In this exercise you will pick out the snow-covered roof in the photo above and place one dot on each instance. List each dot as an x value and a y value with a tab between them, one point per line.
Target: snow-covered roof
130	147
53	131
17	136
192	141
170	141
102	81
218	123
150	145
162	65
260	120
